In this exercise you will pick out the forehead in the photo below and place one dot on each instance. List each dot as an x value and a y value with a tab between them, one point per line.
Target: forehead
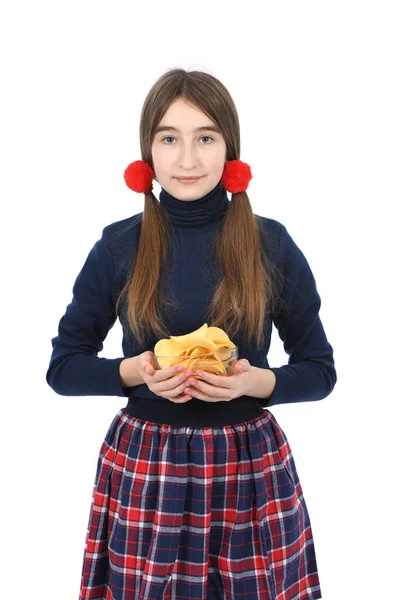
182	117
209	127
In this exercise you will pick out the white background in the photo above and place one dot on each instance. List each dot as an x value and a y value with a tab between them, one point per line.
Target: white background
316	85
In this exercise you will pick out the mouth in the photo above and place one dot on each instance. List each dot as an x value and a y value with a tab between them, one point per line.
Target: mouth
188	179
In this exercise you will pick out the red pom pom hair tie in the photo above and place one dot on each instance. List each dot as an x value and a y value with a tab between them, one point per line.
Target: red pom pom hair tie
139	177
235	178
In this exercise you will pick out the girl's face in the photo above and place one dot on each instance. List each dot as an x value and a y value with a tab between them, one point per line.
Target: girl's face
182	149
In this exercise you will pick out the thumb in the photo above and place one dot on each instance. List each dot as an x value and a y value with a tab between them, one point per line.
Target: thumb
149	369
242	365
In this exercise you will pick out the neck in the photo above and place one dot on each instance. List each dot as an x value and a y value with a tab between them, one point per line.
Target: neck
196	213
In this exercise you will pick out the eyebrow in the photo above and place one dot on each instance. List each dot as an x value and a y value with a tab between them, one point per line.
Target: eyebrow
204	128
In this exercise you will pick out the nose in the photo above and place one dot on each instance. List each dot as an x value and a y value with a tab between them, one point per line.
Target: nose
188	157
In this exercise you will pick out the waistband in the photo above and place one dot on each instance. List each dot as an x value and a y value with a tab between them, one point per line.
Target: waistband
195	412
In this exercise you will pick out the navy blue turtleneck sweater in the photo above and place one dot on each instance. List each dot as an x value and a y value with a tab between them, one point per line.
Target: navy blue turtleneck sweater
75	368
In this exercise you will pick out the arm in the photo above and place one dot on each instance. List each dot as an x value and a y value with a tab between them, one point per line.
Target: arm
129	372
263	382
75	369
310	373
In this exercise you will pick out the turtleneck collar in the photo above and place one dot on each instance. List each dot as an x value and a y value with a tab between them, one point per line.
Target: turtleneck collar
194	213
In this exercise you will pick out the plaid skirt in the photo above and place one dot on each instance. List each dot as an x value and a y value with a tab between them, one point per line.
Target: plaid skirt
179	513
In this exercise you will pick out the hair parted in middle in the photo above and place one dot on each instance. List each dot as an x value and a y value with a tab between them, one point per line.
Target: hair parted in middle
249	288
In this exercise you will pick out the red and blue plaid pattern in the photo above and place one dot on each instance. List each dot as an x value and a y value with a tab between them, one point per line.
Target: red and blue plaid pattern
206	513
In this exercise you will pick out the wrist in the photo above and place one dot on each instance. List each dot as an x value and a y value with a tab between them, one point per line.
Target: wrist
262	383
129	372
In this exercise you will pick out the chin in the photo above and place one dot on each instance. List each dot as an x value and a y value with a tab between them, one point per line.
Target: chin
202	187
194	193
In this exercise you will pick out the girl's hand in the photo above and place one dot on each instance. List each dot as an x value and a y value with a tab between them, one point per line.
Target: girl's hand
168	383
217	388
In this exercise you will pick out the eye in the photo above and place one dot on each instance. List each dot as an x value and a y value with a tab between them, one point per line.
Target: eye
170	137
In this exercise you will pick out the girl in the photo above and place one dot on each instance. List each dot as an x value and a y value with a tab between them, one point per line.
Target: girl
196	493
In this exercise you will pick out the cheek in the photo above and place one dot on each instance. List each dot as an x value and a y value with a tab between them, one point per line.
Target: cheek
218	158
155	153
161	161
217	165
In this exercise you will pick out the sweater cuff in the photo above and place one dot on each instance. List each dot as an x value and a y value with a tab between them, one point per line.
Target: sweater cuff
281	390
301	382
121	391
103	379
83	375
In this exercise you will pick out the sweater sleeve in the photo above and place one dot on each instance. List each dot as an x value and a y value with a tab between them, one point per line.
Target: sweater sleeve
75	369
310	373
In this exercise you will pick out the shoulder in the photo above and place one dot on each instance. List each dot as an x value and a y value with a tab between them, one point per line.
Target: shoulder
123	230
271	230
122	237
271	225
122	240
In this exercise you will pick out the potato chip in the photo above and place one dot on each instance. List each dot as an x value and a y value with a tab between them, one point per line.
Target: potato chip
199	333
167	347
217	335
206	348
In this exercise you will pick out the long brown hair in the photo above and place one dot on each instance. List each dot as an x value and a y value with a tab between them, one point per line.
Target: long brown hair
249	282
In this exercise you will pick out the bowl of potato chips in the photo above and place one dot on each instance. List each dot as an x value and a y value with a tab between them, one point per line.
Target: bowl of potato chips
206	348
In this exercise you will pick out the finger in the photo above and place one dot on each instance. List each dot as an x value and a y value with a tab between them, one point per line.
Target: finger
176	379
161	374
183	388
180	400
241	366
201	395
209	389
216	380
181	394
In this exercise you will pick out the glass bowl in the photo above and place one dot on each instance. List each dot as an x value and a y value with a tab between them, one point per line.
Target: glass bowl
223	359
